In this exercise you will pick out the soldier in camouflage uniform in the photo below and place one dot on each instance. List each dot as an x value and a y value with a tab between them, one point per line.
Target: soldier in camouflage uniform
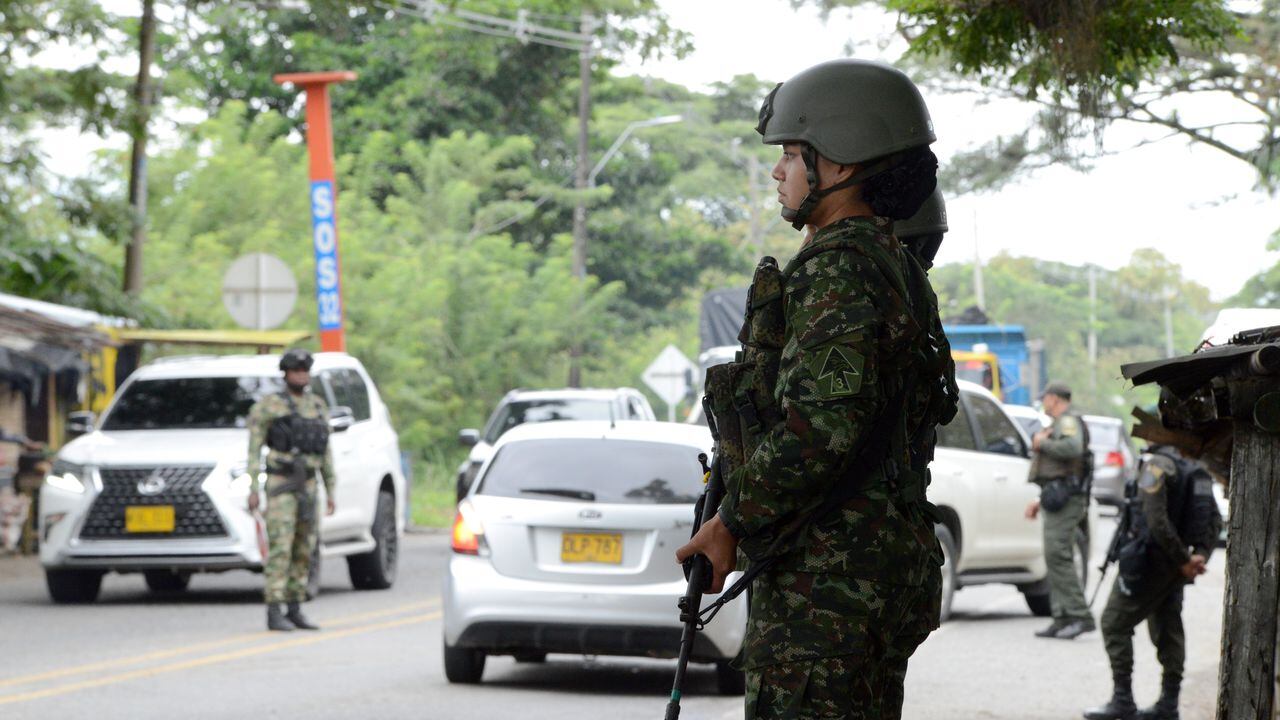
293	424
848	374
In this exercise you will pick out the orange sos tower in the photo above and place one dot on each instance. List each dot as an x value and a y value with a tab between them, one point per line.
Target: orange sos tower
324	202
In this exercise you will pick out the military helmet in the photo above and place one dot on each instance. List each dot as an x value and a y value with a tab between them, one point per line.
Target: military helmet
930	219
296	359
850	111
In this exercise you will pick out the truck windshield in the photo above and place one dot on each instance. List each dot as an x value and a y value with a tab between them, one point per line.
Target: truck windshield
519	412
188	403
976	371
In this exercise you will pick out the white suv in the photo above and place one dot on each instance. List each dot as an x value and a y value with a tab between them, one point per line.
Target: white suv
518	407
160	487
981	487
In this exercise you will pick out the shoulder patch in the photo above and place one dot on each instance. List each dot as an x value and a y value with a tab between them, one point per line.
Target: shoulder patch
1154	470
837	371
1067	426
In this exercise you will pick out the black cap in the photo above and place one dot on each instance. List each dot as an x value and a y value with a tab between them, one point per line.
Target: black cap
296	359
1057	388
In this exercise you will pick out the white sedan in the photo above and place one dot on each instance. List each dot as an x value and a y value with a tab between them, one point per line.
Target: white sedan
566	544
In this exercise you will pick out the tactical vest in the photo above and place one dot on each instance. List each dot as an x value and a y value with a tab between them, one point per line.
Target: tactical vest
743	400
1190	501
295	434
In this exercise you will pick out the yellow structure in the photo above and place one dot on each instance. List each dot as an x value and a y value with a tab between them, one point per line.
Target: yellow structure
982	368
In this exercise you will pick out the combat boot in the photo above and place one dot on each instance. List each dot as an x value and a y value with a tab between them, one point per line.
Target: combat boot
1120	707
276	619
299	620
1166	708
1052	630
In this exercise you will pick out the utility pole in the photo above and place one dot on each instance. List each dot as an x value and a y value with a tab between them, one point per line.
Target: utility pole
580	184
1093	331
138	160
979	291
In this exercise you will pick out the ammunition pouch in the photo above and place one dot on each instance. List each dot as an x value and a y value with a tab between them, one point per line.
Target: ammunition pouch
293	433
1056	493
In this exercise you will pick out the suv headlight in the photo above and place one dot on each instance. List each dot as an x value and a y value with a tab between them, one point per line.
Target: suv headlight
66	476
240	479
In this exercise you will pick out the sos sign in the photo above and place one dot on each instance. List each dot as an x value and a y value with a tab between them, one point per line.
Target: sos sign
324	237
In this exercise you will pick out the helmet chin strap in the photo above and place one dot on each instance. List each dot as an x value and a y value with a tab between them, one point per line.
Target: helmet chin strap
799	217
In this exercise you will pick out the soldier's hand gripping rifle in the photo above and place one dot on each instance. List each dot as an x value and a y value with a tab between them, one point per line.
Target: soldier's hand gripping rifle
698	571
1113	550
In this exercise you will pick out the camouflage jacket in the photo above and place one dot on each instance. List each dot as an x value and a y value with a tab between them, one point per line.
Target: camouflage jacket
273	406
1060	454
848	335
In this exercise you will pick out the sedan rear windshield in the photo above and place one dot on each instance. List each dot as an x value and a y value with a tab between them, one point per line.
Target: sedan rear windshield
606	471
520	412
188	403
1106	434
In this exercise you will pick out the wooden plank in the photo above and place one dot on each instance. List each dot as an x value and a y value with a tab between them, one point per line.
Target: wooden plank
1247	687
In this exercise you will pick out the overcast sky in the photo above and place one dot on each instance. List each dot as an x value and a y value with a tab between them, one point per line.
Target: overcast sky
1195	204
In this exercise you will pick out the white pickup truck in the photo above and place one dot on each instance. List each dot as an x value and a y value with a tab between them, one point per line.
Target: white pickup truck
160	486
981	487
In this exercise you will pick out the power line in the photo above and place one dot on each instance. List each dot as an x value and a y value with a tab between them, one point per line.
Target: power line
522	29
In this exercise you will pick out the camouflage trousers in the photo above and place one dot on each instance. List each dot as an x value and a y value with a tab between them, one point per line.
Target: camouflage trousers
850	654
291	537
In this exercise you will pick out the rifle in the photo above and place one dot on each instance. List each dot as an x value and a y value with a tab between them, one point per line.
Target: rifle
698	572
1113	550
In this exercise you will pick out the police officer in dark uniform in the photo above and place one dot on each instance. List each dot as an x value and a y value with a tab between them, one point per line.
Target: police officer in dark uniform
1172	528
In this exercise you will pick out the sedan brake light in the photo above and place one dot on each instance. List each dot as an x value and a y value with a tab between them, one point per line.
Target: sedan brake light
468	533
1115	459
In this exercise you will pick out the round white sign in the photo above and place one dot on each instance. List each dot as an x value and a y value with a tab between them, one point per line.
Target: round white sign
259	291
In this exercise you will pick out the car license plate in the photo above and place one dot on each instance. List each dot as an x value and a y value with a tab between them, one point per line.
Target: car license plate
148	519
591	547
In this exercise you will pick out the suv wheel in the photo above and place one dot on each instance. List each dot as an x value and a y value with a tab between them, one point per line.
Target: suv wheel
313	572
166	581
948	544
73	586
1037	597
376	570
463	665
730	681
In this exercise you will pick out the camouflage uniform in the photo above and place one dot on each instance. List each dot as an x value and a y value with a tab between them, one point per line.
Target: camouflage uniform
1059	459
291	510
835	618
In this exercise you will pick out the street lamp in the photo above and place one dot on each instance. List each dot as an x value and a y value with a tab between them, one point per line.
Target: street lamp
584	181
626	133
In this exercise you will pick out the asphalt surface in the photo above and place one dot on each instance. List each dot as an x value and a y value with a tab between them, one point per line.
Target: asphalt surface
203	654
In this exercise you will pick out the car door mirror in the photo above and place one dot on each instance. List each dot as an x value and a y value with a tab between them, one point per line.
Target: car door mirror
80	423
340	418
469	437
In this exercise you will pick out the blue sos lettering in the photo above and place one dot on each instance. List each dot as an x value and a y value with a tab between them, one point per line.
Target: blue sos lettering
324	236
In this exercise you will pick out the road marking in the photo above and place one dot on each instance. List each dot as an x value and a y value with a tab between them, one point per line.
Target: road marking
198	647
219	658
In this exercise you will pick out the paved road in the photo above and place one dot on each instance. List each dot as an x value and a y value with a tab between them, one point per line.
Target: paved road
202	654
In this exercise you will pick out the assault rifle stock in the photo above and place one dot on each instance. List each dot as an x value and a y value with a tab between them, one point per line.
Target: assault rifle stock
1113	550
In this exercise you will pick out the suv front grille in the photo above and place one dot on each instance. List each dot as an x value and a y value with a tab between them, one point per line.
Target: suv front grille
194	514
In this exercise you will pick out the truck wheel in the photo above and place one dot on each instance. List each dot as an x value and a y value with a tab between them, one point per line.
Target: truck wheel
376	570
166	581
1037	597
463	665
73	586
313	573
948	544
730	681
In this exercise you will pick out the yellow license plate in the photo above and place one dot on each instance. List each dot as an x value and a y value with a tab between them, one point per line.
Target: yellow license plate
148	518
591	547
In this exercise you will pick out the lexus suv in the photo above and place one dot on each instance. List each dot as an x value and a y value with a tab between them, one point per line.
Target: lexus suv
161	486
981	487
